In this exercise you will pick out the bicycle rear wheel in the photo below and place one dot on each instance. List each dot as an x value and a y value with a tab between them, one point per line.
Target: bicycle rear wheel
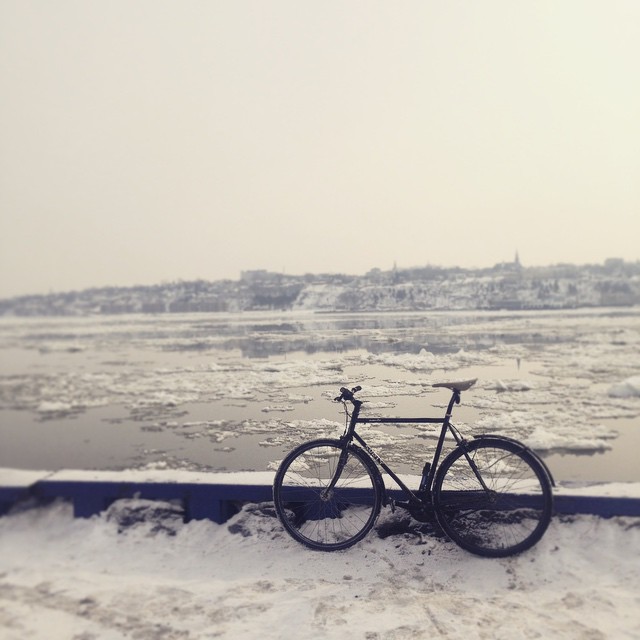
507	515
319	517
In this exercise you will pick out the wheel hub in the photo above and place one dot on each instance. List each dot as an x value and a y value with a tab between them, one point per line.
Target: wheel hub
326	495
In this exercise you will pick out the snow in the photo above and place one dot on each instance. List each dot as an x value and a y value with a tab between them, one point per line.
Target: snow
19	477
24	478
137	571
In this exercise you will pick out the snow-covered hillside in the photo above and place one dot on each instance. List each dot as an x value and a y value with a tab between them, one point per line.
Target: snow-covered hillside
505	286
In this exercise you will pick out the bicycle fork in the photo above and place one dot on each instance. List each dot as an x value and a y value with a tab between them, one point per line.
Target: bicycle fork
327	492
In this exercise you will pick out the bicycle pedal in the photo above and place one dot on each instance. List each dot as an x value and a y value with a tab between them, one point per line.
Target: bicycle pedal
392	504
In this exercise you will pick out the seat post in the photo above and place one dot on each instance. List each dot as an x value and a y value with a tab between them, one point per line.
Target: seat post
455	399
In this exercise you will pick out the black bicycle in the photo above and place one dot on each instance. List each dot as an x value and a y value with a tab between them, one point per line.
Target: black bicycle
491	495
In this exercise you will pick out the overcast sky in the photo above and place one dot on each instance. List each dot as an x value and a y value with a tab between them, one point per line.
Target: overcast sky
144	141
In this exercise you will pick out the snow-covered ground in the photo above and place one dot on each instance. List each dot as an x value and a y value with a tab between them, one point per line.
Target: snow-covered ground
138	572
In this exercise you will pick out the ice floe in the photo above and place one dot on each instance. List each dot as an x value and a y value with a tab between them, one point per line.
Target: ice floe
580	373
629	388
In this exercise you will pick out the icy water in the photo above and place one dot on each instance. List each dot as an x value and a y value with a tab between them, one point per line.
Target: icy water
236	392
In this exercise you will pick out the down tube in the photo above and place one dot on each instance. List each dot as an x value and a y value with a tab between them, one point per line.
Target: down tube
381	462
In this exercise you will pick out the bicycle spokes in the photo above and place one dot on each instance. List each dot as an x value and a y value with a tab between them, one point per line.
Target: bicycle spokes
493	498
327	496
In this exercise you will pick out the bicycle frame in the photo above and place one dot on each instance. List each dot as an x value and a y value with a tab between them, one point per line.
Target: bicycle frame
429	470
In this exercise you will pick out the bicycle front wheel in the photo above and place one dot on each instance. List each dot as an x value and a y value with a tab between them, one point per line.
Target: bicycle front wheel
318	515
493	498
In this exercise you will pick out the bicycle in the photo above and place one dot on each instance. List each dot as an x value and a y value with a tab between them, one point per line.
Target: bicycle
491	495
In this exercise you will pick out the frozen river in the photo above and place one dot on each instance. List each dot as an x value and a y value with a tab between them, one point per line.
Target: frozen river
236	392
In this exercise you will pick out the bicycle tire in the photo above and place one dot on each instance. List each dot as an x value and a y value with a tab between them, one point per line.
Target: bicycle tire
338	519
508	518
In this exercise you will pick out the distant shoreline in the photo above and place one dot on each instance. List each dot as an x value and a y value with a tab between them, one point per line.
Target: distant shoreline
505	287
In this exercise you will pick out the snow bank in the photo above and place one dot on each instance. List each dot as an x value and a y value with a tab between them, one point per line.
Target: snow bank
20	477
137	571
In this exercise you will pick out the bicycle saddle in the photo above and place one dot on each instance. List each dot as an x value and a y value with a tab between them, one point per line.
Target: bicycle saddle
458	385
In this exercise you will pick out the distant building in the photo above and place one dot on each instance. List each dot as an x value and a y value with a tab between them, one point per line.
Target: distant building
514	266
259	276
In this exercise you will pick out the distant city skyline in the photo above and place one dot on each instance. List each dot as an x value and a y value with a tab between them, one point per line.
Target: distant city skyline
262	276
151	141
506	286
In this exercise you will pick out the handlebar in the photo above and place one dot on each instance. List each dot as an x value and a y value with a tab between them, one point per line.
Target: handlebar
345	394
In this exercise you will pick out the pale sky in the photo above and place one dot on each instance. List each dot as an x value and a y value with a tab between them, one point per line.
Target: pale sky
144	141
